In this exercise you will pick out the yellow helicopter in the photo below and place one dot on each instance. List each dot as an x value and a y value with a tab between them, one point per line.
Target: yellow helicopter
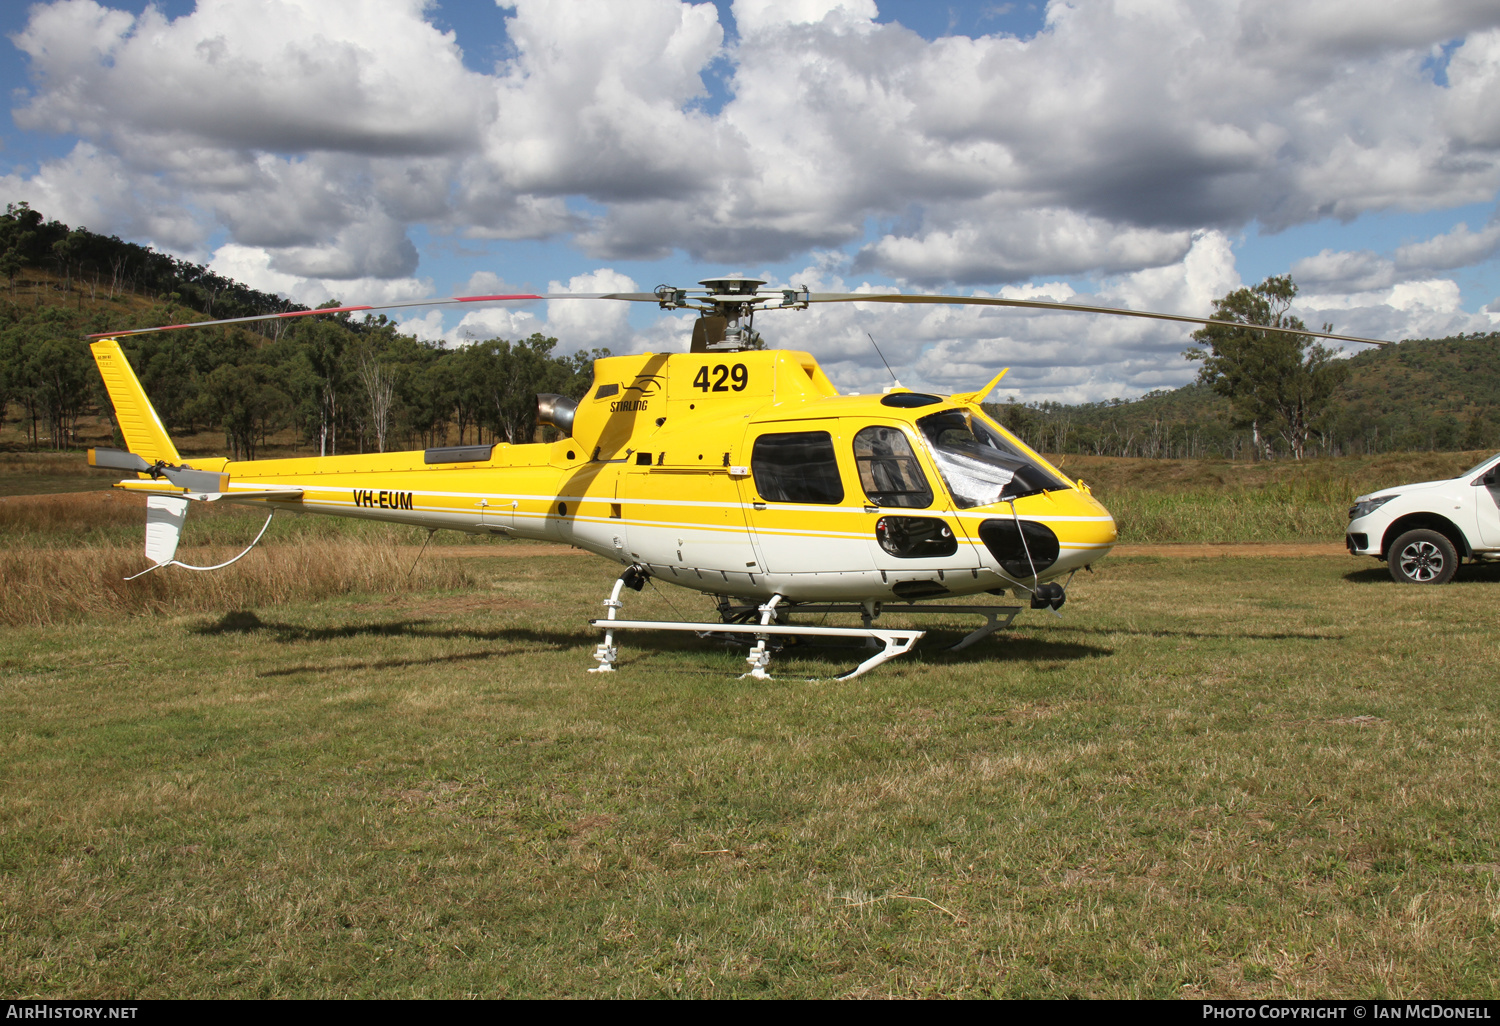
738	472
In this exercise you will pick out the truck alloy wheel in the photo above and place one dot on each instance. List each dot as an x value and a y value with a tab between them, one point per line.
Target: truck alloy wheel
1422	557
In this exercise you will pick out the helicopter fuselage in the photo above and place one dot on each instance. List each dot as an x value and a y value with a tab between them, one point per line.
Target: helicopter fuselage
741	474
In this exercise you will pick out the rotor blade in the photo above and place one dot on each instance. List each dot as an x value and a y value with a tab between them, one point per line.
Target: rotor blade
1038	304
631	297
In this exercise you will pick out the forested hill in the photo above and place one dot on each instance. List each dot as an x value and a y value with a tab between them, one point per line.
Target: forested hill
1457	377
334	384
105	264
1420	394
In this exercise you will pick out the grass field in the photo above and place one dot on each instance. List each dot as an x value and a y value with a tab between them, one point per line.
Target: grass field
1231	776
1225	776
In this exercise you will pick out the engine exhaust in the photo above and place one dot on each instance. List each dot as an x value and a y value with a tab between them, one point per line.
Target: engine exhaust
556	411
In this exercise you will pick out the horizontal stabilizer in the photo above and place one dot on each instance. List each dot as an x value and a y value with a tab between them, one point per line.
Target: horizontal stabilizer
166	489
196	480
269	493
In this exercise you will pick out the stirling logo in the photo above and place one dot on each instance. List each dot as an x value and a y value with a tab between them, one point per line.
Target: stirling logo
644	387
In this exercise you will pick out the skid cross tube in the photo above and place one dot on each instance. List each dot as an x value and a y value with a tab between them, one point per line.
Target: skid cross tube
997	618
897	642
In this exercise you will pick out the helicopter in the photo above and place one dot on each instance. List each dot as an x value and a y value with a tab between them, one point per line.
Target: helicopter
731	470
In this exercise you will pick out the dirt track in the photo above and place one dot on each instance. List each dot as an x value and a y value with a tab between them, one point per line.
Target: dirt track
1198	550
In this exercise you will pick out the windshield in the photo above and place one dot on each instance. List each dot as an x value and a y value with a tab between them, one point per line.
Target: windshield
1476	468
979	464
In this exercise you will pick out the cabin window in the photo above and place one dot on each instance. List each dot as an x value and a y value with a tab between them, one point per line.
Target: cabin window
797	467
980	465
888	469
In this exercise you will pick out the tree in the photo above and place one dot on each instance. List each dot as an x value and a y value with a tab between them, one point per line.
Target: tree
380	391
246	401
1271	378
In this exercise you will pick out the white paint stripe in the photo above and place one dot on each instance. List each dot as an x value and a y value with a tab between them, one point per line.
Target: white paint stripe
705	504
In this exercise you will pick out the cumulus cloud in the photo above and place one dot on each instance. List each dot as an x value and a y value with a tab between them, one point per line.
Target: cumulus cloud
476	326
273	75
257	268
588	323
1094	147
1018	245
1355	271
1120	142
99	191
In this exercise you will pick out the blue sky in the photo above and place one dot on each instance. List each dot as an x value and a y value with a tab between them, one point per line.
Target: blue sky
1143	155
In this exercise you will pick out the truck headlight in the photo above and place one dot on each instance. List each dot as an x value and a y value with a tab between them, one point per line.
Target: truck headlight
1364	507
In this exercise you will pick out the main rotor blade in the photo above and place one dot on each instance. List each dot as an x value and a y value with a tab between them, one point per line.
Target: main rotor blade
1039	304
632	297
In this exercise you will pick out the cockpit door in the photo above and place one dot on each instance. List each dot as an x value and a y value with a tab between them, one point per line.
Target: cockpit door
800	509
911	528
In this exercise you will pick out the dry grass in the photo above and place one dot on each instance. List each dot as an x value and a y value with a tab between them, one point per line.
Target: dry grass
1219	501
47	586
72	518
1333	478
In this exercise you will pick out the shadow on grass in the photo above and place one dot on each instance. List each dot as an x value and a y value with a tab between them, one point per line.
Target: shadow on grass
1007	648
1202	635
1468	574
839	658
246	622
343	666
935	650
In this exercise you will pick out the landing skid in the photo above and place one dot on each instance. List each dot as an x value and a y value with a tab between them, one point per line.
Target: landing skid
760	624
894	643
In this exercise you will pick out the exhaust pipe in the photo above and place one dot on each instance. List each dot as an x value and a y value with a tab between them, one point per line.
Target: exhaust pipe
556	411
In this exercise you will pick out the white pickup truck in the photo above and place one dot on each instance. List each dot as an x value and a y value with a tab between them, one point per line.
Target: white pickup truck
1423	530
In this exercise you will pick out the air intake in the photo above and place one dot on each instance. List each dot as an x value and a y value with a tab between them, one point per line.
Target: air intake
1022	549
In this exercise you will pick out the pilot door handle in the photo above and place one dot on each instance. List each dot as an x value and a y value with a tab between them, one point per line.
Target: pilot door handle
758	505
872	509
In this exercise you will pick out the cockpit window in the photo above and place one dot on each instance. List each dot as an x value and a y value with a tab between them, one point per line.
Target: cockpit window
888	469
979	464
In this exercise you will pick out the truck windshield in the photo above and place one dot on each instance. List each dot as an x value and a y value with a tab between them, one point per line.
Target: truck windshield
979	464
1476	468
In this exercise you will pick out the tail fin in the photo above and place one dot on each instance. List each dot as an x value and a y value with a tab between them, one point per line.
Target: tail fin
144	434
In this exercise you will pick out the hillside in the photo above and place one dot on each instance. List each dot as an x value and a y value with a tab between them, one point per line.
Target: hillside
1417	395
330	384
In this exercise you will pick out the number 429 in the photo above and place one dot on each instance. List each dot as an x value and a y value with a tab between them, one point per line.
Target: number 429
737	376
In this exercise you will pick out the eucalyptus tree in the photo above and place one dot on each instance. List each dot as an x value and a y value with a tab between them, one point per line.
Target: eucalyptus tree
1273	379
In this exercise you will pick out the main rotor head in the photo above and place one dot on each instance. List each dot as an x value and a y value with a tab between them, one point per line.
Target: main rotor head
726	309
